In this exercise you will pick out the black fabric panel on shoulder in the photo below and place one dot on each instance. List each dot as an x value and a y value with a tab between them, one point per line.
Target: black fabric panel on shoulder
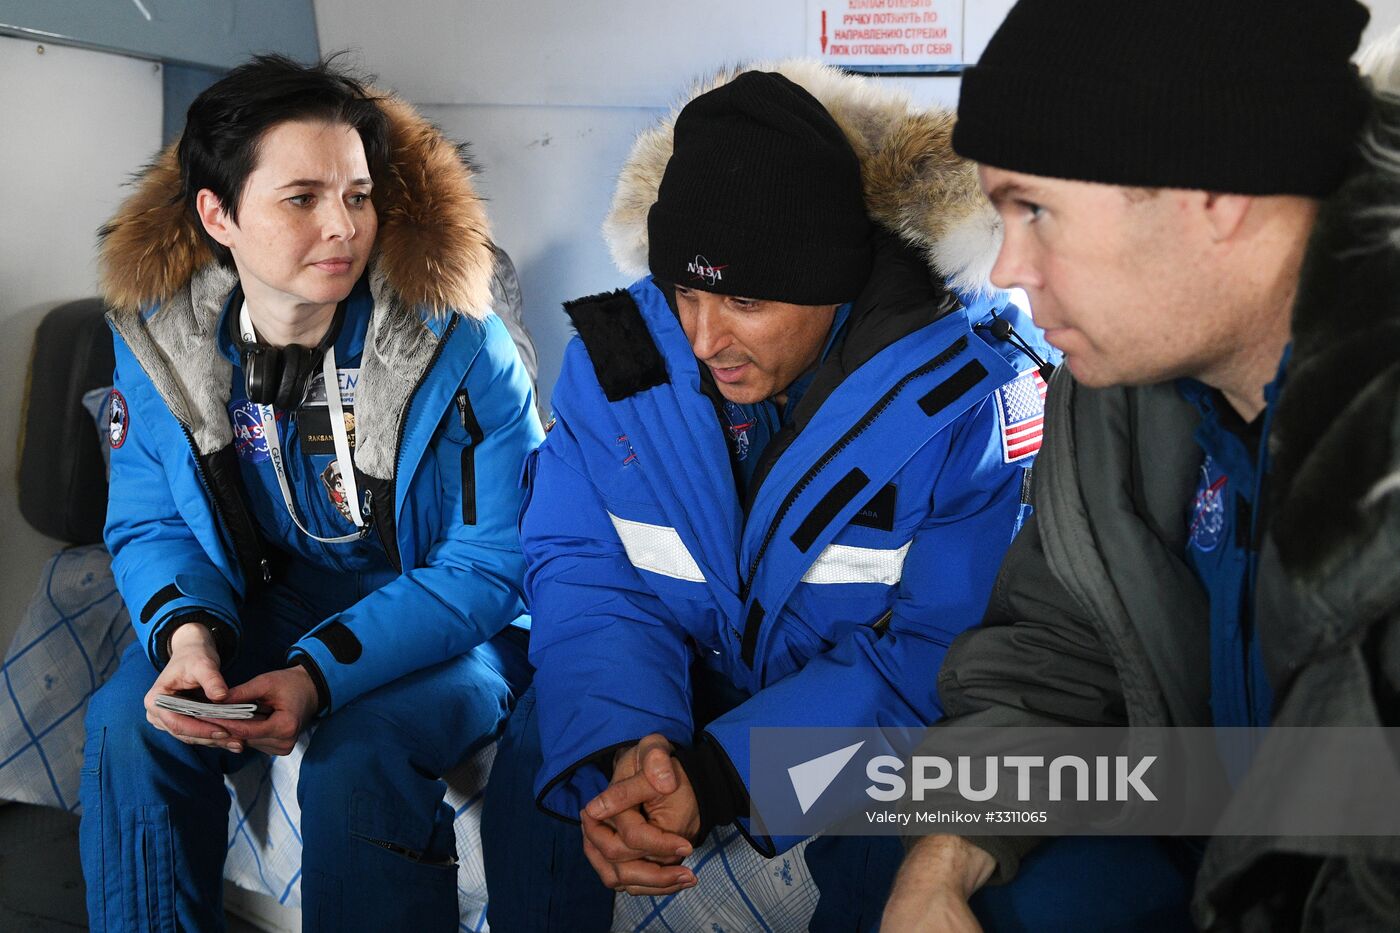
834	501
625	358
953	388
343	644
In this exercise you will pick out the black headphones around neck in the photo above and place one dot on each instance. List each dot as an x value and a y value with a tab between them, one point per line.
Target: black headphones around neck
279	376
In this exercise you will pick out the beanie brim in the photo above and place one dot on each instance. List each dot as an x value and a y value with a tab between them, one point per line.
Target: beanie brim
696	253
1224	137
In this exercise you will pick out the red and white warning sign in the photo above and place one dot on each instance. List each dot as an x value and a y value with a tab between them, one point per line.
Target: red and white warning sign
887	35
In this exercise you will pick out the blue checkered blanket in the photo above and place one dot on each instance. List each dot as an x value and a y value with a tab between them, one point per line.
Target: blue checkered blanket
69	643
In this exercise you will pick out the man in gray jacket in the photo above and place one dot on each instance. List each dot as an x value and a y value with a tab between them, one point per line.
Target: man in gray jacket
1216	539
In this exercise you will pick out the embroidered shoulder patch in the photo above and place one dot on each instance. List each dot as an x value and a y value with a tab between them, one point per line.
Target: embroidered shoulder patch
118	420
1021	411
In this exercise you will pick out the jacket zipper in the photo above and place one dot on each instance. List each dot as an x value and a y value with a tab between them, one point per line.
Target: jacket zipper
263	566
410	854
392	554
855	431
394	557
475	436
749	638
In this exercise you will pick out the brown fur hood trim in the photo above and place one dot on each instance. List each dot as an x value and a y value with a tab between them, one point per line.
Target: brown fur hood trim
433	249
915	186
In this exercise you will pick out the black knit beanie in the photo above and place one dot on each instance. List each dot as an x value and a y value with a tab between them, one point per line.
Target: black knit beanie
761	198
1239	96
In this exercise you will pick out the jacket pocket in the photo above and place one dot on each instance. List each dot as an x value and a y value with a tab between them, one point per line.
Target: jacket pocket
468	487
93	747
148	868
392	829
475	436
527	484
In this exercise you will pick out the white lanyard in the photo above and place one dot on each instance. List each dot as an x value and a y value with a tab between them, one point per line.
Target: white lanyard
342	443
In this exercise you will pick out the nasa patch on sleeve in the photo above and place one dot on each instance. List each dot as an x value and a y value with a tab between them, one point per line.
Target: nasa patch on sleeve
118	420
249	438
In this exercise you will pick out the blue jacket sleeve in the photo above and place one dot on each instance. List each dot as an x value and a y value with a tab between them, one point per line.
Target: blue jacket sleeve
593	621
161	568
872	679
467	587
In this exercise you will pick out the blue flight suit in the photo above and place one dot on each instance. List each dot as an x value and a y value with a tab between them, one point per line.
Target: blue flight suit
415	668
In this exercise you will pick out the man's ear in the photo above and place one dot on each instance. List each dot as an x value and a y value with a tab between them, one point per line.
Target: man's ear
215	219
1225	213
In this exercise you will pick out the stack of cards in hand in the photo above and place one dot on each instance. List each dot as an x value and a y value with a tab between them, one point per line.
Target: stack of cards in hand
187	707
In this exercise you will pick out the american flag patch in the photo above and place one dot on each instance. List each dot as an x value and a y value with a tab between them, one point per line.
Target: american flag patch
1021	409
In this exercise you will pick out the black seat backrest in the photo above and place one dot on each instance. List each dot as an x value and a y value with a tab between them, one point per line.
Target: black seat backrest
62	475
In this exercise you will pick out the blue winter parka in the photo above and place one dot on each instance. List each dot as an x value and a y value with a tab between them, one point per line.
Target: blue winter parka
469	423
444	417
871	543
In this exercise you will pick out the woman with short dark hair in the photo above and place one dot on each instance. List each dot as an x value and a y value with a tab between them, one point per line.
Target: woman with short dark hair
317	431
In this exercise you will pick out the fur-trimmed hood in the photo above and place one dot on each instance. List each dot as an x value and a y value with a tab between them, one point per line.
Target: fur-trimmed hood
1336	435
433	257
915	185
433	250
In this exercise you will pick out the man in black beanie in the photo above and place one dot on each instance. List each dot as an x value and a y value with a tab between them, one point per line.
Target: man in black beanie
1217	524
786	465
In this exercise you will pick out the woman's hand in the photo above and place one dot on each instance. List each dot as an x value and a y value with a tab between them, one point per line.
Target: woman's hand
194	665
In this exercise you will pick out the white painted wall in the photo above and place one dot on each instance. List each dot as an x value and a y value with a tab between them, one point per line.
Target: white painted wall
74	125
1385	17
589	53
548	173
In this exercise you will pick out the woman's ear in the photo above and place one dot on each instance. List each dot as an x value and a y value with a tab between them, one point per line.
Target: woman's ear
214	218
